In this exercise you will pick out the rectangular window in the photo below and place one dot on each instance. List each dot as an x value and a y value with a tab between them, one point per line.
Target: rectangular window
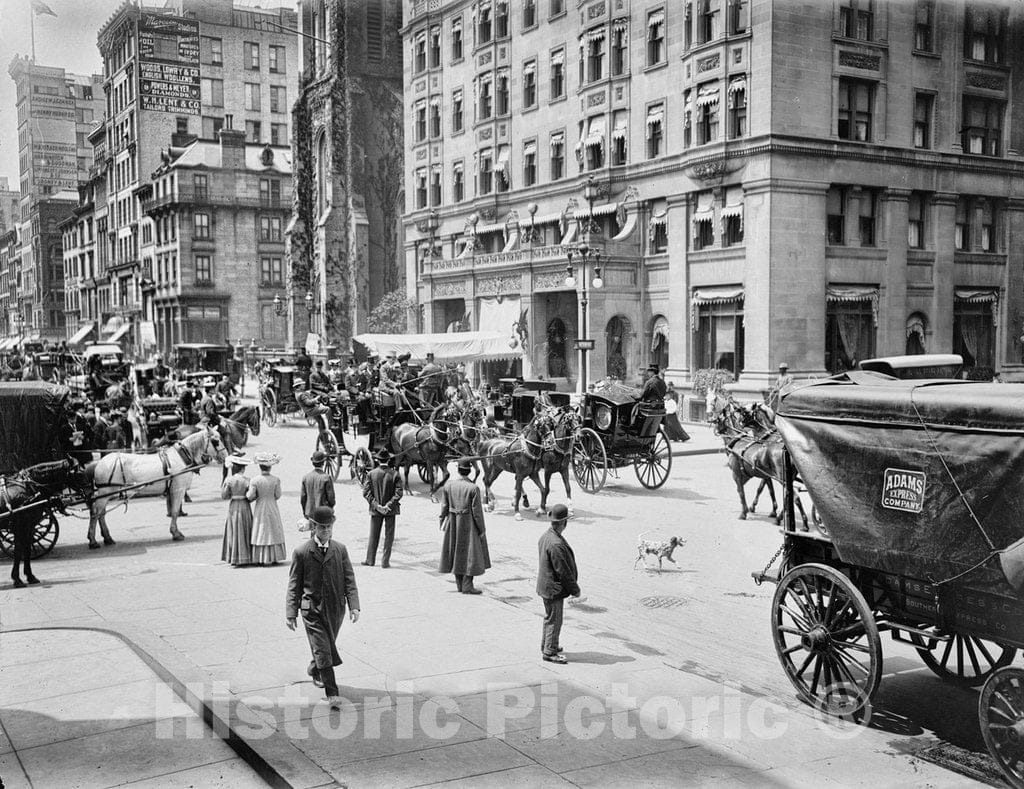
835	207
270	271
982	126
620	48
213	50
435	117
457	39
276	59
457	114
915	220
503	169
739	16
595	57
253	131
483	25
720	336
270	228
856	19
655	130
620	137
557	7
529	13
558	74
278	98
703	233
501	94
732	230
421	120
849	334
501	20
985	32
655	37
737	108
866	225
270	192
435	47
856	102
212	92
923	103
557	146
529	84
419	49
252	96
201	186
974	335
688	109
707	113
486	103
252	56
486	173
989	236
435	185
201	225
279	134
530	163
962	229
204	270
708	28
421	188
458	183
924	16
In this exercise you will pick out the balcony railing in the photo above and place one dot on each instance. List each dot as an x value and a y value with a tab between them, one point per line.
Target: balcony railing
207	197
543	254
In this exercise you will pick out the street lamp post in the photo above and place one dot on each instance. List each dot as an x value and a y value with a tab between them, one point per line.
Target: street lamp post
587	255
313	305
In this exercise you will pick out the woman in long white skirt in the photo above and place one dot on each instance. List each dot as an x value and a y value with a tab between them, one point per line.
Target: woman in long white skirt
267	528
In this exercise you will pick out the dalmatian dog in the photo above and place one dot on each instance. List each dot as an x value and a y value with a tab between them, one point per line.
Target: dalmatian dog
661	548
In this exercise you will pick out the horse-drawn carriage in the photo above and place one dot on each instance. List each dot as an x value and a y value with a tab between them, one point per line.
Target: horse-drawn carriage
277	391
918	485
619	430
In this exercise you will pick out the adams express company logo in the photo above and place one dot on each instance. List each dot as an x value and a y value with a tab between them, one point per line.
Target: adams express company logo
903	490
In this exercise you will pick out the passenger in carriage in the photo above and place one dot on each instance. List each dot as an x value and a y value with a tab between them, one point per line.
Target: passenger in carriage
187	402
318	380
430	382
654	387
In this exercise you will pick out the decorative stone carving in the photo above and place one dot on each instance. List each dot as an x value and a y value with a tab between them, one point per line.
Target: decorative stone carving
421	154
485	58
986	81
619	93
450	287
421	86
485	133
596	10
708	171
550	281
487	213
595	99
708	63
859	60
511	283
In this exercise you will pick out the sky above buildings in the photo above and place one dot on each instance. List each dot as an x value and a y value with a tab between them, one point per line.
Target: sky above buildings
67	41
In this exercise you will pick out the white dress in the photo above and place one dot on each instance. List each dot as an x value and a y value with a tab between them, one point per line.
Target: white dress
267	528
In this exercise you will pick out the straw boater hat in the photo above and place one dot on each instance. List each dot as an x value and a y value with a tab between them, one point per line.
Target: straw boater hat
239	459
266	459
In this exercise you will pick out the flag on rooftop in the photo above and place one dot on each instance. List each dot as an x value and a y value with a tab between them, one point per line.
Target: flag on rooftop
39	7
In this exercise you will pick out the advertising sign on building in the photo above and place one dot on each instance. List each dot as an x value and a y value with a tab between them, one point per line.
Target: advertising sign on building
169	64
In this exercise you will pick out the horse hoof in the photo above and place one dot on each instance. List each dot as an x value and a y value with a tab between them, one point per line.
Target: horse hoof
519	516
178	537
93	545
743	516
18	583
32	579
109	541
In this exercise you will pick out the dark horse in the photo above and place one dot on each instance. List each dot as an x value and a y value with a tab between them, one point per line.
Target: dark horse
425	444
519	455
557	454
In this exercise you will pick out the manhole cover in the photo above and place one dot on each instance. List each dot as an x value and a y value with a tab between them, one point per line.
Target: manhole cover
661	602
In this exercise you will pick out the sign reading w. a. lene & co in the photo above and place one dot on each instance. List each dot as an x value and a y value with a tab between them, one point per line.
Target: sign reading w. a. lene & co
903	489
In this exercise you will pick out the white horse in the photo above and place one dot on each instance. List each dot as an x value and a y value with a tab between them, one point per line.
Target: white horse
164	470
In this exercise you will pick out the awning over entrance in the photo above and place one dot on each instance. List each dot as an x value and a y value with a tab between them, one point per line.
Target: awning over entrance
83	332
717	294
498	315
659	330
113	324
121	332
847	293
454	347
980	296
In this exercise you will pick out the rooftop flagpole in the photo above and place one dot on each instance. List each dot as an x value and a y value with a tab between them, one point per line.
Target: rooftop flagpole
32	25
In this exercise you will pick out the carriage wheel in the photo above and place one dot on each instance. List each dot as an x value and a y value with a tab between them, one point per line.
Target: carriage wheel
652	468
360	465
426	474
963	660
44	537
589	461
269	400
826	639
329	444
1001	714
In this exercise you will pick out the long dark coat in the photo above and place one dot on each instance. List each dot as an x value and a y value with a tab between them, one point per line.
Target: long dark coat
319	587
557	575
464	549
317	491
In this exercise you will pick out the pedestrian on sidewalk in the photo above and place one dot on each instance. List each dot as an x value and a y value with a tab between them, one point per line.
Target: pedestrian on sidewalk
321	584
267	528
557	579
236	549
317	486
464	549
383	490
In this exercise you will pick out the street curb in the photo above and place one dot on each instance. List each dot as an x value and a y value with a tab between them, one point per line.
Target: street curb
273	756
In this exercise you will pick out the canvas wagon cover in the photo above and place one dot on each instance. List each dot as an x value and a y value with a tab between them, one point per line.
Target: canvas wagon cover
31	413
882	460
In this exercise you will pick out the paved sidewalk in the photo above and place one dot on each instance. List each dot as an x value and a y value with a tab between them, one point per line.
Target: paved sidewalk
79	708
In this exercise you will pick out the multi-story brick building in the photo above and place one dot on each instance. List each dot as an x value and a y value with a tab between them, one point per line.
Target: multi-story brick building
775	180
172	74
10	206
10	257
219	211
345	241
56	110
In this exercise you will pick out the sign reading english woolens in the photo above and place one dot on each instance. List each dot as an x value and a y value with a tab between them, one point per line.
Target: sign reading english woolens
169	78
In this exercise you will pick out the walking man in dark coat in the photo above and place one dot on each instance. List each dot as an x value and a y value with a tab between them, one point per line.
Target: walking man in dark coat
317	486
383	491
464	550
320	584
556	580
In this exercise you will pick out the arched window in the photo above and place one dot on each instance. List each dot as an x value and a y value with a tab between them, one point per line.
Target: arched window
618	333
556	349
659	341
916	325
322	176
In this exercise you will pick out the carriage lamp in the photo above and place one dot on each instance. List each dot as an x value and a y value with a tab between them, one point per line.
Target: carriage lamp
603	417
278	305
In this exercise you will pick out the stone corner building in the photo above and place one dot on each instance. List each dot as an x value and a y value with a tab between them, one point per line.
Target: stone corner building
343	243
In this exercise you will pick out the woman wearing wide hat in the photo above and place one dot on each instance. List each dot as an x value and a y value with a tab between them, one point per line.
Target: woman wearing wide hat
267	528
236	549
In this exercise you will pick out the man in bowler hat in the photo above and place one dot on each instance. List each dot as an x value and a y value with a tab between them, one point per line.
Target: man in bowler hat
654	387
320	585
317	486
557	579
464	549
383	490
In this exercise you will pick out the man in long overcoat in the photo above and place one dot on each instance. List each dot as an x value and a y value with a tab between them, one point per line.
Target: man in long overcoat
320	585
464	549
383	491
317	486
557	579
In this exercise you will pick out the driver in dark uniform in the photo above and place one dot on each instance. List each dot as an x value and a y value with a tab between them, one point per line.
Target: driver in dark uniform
318	380
187	402
161	374
654	387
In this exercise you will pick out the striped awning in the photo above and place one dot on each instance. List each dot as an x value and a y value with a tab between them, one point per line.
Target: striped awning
659	330
707	95
716	294
853	293
980	296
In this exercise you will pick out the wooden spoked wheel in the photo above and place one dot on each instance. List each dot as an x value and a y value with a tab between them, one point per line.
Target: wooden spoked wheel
269	400
826	639
589	461
652	468
44	537
361	464
963	660
1001	714
328	444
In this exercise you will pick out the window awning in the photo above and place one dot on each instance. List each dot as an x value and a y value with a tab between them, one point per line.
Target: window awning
655	114
632	219
852	293
655	19
915	325
659	330
596	134
82	333
530	148
707	95
466	346
621	130
570	232
511	239
595	36
494	227
699	217
620	25
557	139
716	294
120	333
599	210
435	101
980	296
558	58
504	154
113	324
737	84
530	67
